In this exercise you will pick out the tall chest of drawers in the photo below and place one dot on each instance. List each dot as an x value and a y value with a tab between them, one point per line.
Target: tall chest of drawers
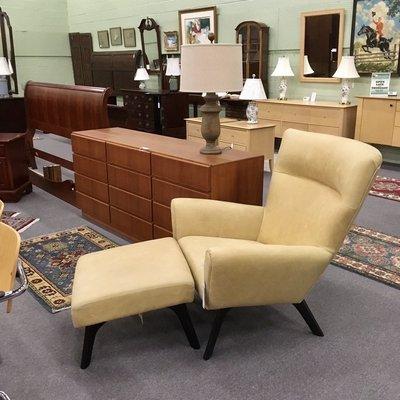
126	179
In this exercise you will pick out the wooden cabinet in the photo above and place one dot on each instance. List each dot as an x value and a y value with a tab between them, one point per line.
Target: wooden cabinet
145	172
161	112
12	114
239	135
378	121
321	117
14	175
254	39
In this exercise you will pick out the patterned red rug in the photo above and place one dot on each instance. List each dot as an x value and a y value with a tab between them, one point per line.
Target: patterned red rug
17	221
389	188
372	254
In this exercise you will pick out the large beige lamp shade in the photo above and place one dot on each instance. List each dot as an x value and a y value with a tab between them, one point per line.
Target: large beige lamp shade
211	68
346	70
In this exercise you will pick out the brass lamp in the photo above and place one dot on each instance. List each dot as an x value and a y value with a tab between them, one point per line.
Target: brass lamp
211	68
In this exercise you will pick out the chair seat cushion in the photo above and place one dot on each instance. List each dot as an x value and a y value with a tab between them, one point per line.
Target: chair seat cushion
194	248
130	280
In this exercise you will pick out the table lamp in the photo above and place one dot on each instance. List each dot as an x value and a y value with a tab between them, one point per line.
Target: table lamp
4	72
307	70
211	68
253	90
283	70
173	70
347	70
142	75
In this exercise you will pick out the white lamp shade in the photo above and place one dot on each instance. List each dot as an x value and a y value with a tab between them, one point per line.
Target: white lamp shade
283	68
347	69
211	68
4	68
173	68
141	74
307	67
253	90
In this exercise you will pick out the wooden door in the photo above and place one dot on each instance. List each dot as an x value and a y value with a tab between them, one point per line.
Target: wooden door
81	54
378	121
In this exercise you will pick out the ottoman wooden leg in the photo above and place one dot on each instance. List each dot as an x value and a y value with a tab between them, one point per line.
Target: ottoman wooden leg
182	313
88	342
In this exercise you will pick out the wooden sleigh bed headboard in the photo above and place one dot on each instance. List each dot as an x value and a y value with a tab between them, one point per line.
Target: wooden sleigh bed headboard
61	110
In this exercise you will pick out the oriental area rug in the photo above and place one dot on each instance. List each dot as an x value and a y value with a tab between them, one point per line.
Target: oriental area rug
17	221
49	262
372	254
388	188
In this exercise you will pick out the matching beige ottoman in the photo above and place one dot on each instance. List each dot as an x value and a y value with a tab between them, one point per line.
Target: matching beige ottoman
130	280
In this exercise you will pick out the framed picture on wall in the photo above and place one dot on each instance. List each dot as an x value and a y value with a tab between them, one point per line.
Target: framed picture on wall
196	24
116	36
171	41
375	36
129	37
104	41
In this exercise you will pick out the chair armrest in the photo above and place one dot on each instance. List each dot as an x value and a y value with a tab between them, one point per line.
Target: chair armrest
200	217
5	296
258	274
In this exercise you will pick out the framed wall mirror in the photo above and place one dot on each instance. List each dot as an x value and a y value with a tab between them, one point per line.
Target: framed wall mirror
321	45
151	45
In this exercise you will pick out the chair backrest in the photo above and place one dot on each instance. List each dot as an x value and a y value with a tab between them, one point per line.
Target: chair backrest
317	188
1	208
9	249
62	109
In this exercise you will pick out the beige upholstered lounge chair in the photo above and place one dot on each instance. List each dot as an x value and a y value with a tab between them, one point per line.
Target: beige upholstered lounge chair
243	255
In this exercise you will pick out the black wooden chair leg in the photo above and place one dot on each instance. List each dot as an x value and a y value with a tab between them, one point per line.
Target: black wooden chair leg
306	313
88	342
216	327
183	315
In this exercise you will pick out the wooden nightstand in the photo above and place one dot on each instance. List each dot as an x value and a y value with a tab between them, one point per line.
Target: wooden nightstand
239	135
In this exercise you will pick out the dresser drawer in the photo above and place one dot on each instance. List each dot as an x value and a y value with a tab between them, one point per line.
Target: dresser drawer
162	216
159	233
93	208
91	168
396	136
130	225
141	125
299	114
130	203
293	125
5	182
330	130
164	192
235	136
193	129
91	187
191	175
132	182
130	158
270	111
91	148
396	119
325	116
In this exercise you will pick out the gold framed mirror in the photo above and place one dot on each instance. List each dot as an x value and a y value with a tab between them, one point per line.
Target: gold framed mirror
321	45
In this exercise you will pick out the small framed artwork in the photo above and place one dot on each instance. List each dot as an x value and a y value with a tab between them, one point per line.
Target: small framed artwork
196	24
104	41
375	36
116	36
171	41
129	37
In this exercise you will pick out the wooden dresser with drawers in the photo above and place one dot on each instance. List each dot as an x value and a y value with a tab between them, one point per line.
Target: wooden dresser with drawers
321	116
126	179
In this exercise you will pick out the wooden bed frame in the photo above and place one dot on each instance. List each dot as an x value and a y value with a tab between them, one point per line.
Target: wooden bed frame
61	110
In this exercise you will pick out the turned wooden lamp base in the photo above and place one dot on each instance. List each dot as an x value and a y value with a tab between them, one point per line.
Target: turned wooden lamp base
210	124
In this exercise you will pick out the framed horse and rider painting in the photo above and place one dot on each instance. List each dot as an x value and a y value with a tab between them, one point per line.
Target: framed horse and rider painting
375	36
